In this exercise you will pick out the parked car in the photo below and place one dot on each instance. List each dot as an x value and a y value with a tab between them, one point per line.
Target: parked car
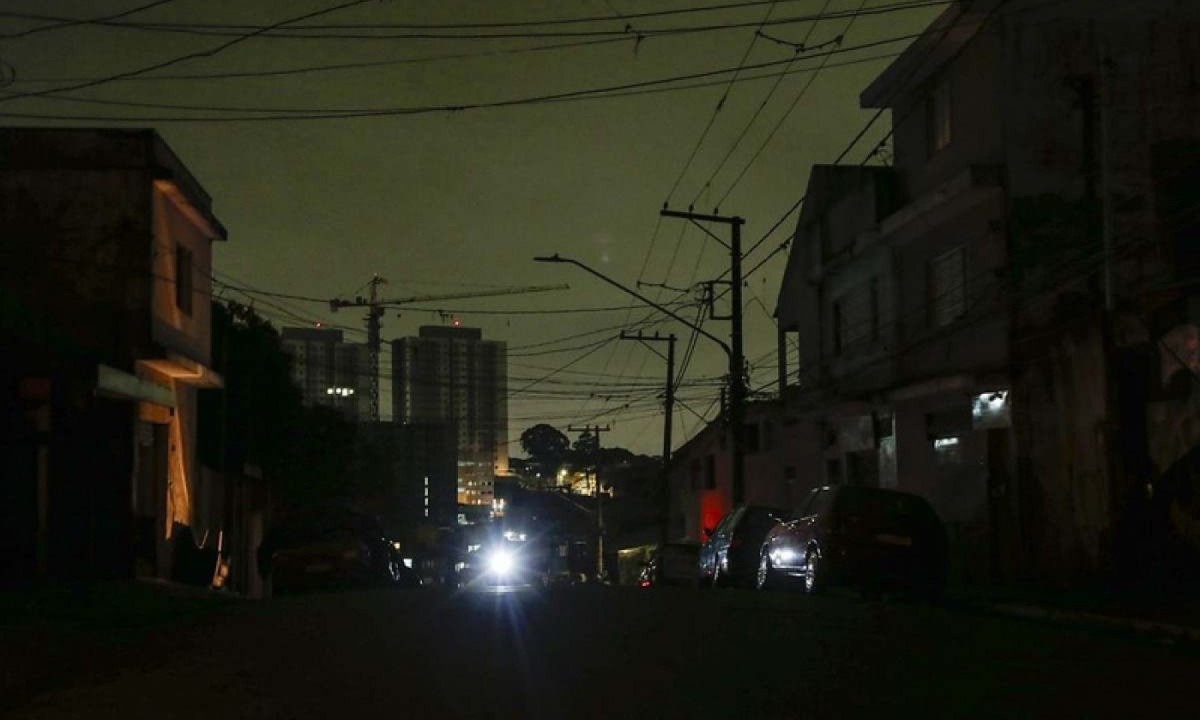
857	536
672	564
332	547
729	556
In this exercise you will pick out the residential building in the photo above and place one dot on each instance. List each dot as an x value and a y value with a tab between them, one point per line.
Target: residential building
104	317
963	316
452	375
778	469
329	371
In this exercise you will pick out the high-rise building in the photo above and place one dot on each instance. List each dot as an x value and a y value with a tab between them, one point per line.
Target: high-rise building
452	375
328	370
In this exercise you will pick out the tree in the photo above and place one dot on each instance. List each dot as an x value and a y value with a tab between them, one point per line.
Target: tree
258	418
546	445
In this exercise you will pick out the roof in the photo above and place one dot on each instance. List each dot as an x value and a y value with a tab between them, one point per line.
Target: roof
936	46
72	148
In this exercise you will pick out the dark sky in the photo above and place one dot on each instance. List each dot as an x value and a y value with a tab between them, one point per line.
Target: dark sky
443	201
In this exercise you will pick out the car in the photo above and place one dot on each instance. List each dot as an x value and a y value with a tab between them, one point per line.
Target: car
869	538
332	547
504	562
729	556
671	564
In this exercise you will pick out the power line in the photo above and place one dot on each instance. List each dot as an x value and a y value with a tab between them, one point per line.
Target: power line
182	58
783	118
278	114
63	23
763	103
280	31
712	118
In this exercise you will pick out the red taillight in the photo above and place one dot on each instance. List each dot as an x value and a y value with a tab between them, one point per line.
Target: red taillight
645	583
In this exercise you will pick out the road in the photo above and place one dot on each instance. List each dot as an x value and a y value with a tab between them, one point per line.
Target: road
597	652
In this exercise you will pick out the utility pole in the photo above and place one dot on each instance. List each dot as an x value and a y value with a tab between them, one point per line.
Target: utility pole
737	379
595	430
668	412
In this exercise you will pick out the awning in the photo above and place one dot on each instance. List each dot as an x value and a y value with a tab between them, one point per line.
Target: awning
112	382
185	370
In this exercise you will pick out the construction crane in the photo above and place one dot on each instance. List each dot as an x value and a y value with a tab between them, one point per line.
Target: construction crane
375	307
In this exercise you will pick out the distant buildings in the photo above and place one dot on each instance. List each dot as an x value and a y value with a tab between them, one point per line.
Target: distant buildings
329	371
452	375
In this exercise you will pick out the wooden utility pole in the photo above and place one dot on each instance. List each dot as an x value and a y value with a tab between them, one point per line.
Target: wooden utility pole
737	377
595	430
668	412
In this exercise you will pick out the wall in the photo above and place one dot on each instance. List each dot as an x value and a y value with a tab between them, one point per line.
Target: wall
977	132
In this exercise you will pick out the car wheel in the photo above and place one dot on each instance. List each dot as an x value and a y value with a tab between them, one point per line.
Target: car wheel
814	572
762	579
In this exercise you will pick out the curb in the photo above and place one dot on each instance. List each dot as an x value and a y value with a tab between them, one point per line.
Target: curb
1071	617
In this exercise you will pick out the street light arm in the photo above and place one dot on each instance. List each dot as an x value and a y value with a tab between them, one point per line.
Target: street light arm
556	258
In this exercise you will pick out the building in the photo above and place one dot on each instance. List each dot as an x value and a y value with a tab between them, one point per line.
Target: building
408	473
780	469
104	318
452	375
990	320
329	371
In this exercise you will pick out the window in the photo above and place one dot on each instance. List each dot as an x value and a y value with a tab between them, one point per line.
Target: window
838	328
823	236
874	290
752	439
938	116
947	300
183	279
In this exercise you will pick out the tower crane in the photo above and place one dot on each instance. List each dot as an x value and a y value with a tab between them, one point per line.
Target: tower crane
375	306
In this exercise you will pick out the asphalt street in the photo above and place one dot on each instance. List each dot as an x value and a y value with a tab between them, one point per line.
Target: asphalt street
597	652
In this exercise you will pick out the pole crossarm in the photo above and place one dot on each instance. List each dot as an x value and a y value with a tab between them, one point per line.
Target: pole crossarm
689	215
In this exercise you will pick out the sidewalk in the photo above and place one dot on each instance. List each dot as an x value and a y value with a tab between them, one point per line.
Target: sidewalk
48	635
1173	617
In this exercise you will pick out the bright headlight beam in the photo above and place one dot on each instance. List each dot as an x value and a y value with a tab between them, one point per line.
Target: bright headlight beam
500	562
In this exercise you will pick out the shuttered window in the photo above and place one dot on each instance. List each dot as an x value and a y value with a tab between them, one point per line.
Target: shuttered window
947	298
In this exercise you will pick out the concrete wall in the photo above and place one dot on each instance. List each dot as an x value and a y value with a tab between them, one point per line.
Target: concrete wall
71	277
975	80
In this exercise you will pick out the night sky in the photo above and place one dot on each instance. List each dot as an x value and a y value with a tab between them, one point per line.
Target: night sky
457	170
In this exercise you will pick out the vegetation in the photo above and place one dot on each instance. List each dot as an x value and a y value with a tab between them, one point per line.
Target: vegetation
258	418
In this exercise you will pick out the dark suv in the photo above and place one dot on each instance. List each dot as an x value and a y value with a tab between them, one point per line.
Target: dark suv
865	537
729	556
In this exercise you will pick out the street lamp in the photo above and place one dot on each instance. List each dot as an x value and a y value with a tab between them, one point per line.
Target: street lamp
737	394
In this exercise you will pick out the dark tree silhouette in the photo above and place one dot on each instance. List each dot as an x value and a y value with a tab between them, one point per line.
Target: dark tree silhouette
546	446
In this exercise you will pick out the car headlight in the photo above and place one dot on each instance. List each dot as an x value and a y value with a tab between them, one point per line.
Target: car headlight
500	562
